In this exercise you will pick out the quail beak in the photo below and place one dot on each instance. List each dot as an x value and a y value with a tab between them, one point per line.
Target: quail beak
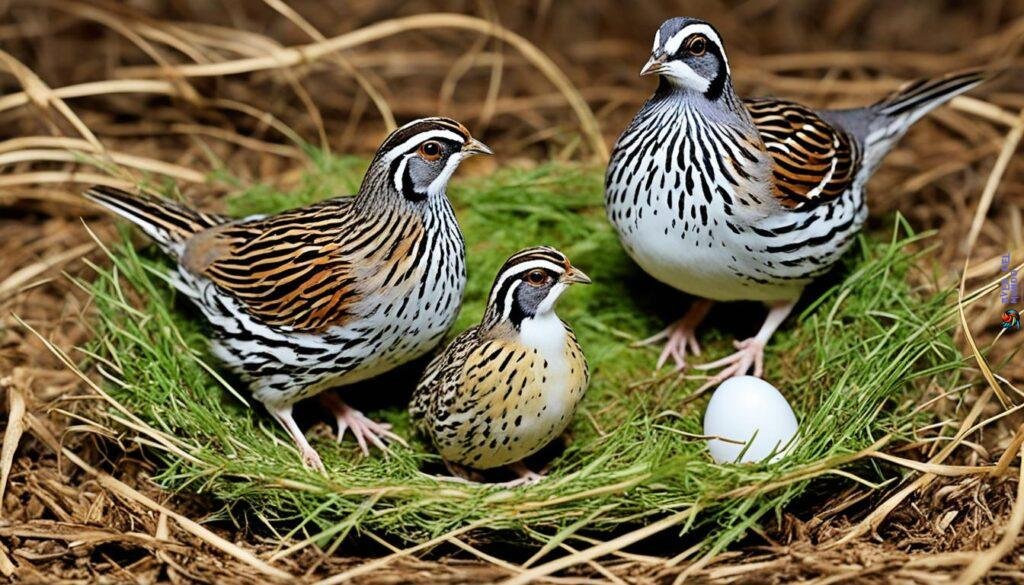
574	276
474	146
653	65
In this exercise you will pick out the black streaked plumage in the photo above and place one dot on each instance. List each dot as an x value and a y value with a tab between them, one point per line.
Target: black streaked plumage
729	200
329	294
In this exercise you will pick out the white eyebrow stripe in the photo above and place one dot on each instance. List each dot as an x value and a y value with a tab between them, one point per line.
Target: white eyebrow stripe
521	268
675	41
422	137
657	41
672	45
507	309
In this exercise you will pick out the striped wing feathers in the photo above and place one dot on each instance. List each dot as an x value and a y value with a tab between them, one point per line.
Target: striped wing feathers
468	376
298	270
442	375
812	161
470	409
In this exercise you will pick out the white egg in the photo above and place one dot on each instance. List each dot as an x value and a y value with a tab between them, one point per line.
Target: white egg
745	408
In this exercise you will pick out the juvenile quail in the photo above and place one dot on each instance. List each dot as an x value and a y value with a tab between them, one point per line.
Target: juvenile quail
504	389
729	199
330	294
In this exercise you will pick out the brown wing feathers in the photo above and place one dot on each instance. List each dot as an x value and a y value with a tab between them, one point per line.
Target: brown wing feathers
288	270
307	269
303	269
812	161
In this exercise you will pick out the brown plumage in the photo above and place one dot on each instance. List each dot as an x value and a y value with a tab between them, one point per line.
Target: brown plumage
293	270
812	161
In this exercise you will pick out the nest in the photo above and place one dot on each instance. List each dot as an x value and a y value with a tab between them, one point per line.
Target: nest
902	382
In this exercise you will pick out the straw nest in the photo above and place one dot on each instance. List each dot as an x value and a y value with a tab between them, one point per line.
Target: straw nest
126	453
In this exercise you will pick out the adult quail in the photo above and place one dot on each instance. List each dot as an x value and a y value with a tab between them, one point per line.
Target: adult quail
329	294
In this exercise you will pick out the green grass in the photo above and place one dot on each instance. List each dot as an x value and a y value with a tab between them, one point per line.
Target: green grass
853	365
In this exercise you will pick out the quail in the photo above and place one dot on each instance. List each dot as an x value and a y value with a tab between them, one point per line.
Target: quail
507	387
729	199
329	294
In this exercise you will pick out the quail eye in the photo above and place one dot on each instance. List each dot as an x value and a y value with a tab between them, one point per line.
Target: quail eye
536	277
430	150
698	46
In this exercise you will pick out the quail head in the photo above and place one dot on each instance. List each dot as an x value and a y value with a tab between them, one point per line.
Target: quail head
729	199
507	387
330	294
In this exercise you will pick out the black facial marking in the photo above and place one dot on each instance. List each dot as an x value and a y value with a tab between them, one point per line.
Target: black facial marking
408	188
424	162
717	85
527	296
698	57
664	89
518	313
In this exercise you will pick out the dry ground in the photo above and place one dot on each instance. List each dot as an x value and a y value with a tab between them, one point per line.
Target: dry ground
78	505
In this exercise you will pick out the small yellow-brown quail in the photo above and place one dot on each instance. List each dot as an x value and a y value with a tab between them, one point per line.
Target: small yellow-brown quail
504	389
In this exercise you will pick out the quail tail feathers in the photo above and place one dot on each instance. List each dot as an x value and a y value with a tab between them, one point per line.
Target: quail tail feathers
880	126
919	97
169	224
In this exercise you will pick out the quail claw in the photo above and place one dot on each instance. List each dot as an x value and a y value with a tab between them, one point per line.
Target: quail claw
311	459
366	431
526	476
681	336
750	353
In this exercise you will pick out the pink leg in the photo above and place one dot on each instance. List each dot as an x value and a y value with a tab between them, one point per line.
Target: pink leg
681	335
310	458
467	476
751	351
526	476
363	429
459	474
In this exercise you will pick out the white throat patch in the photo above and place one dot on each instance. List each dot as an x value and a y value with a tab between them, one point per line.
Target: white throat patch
547	306
683	74
437	186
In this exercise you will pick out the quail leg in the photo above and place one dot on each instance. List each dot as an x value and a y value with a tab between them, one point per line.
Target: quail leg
464	475
750	351
681	335
526	476
365	431
310	458
459	474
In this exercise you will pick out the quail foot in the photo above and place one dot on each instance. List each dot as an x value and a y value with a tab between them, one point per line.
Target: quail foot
507	387
730	200
331	294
